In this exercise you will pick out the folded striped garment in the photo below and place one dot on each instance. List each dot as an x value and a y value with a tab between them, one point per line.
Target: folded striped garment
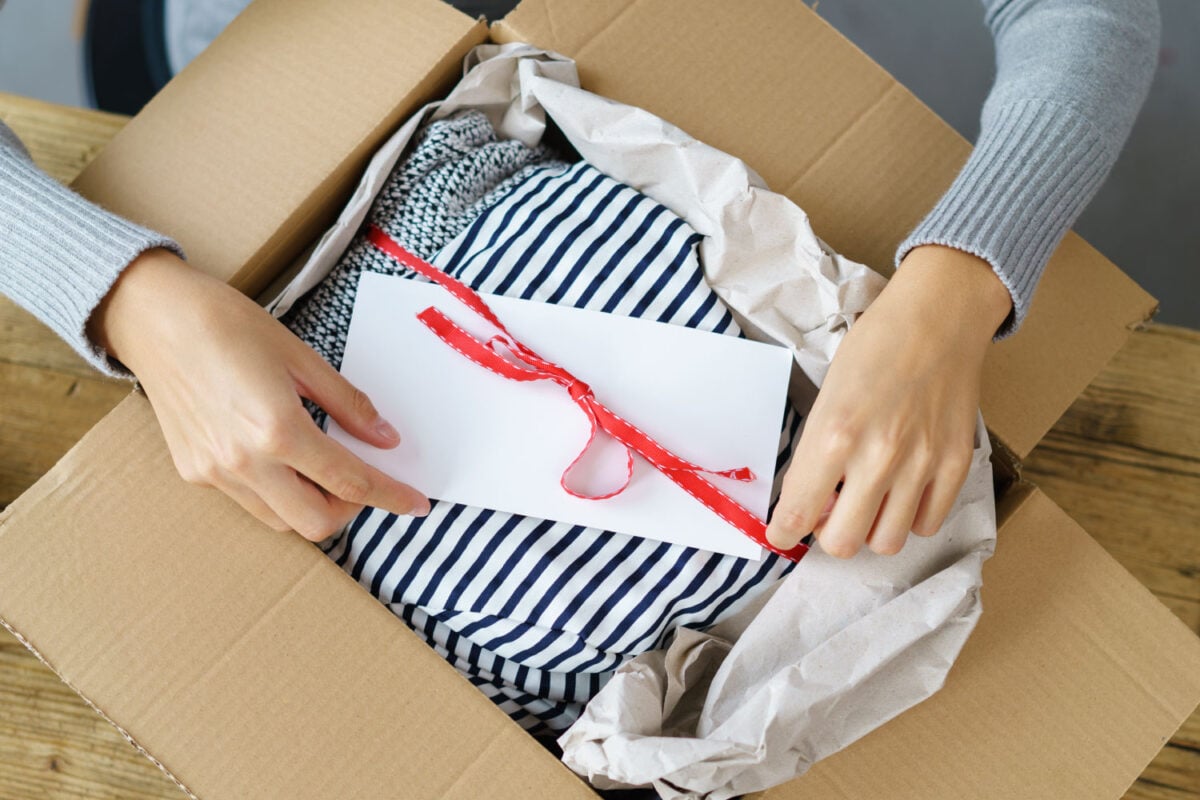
537	614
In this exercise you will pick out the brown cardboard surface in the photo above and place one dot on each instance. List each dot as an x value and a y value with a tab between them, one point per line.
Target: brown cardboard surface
251	666
1074	677
775	85
245	661
234	654
256	144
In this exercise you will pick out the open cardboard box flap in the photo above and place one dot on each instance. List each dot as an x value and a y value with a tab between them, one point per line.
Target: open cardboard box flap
246	664
821	122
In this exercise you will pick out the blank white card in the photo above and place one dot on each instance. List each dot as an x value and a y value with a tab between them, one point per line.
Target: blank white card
474	437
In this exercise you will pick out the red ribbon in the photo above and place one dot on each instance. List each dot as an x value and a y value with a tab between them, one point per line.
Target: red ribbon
532	367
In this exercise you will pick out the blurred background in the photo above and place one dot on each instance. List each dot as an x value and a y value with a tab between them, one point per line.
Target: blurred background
1146	217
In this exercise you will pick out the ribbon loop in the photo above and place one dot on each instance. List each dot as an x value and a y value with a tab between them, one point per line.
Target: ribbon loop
532	367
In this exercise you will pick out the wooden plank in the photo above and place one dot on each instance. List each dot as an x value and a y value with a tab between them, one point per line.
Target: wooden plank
1175	772
62	140
51	743
49	396
25	341
1158	371
45	411
1124	461
53	746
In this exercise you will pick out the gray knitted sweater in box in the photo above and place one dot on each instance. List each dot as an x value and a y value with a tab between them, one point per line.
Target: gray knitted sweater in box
1070	78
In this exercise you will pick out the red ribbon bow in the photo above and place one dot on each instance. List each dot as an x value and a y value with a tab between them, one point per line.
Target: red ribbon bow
532	367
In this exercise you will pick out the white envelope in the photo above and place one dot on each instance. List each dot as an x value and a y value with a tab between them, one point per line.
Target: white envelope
472	436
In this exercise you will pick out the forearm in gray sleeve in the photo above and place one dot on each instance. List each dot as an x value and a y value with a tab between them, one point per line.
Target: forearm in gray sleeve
1071	76
59	253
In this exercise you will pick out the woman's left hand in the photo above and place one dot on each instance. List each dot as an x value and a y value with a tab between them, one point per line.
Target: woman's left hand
894	422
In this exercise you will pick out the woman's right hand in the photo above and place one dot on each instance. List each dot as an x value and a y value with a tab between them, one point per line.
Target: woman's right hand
226	380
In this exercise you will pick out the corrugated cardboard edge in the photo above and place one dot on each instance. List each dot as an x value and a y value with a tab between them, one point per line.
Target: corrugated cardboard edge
30	497
126	735
1073	333
107	188
998	661
206	674
189	125
32	494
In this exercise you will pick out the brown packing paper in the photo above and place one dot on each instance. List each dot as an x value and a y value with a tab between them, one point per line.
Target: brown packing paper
869	637
776	86
1072	681
837	649
759	253
1066	689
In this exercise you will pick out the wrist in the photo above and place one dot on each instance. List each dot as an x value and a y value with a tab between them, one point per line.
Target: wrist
956	287
120	320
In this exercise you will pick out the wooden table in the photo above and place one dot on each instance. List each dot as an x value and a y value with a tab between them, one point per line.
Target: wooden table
1124	461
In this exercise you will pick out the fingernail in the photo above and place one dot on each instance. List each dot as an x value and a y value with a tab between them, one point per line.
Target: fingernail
773	538
422	508
385	429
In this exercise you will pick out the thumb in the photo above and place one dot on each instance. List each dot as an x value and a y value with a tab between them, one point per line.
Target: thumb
318	381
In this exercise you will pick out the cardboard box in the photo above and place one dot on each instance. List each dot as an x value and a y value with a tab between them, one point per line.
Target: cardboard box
248	665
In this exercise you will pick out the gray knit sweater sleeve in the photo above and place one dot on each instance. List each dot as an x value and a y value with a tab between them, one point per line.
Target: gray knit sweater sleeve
59	253
1071	76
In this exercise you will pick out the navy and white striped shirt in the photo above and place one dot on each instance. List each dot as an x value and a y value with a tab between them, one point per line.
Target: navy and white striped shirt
538	614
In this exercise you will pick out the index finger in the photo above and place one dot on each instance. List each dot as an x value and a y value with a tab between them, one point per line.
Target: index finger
341	473
805	496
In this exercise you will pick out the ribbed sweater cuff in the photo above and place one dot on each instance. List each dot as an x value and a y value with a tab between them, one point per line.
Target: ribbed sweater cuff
1034	169
61	253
